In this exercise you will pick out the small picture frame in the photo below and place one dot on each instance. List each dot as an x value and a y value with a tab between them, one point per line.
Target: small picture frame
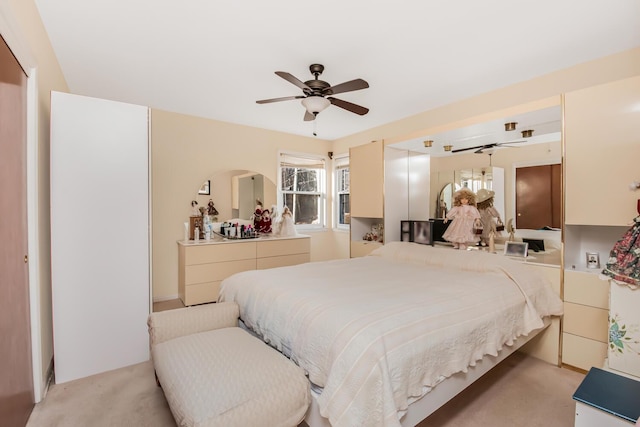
206	188
593	260
516	249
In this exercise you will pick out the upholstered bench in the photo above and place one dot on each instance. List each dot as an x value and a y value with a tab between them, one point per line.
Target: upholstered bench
214	373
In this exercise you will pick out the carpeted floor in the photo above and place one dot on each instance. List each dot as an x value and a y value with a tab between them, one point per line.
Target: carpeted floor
522	391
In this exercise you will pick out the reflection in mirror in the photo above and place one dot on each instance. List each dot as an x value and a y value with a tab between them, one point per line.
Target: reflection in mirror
445	199
234	194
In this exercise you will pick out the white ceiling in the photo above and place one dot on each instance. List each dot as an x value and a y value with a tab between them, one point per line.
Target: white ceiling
214	59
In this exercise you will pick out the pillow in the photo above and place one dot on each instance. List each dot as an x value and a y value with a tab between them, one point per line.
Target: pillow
416	253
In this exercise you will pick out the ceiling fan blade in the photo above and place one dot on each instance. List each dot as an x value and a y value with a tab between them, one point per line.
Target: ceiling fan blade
286	98
291	79
308	117
349	86
354	108
481	147
506	143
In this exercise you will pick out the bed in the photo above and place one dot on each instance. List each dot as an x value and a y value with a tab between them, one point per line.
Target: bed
377	333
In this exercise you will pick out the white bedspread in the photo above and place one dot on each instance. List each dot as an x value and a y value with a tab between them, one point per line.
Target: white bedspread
377	332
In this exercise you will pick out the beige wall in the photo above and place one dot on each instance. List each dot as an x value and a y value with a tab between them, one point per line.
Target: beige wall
533	94
186	150
22	29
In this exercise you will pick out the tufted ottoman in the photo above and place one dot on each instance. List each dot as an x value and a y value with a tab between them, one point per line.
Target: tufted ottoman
214	373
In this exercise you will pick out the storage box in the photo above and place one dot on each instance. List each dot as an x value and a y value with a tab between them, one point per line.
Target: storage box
606	399
624	329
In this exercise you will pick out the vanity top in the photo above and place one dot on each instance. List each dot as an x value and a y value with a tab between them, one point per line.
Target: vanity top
217	239
547	258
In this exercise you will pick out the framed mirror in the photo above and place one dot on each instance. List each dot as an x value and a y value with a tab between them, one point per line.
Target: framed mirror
234	194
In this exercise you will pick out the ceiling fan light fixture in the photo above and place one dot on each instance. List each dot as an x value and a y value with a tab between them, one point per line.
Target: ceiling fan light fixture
428	143
527	133
510	126
315	104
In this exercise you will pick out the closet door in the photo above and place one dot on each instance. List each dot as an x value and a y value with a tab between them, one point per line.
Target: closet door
100	235
16	369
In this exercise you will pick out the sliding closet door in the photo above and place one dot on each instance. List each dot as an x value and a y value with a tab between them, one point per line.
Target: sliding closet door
100	254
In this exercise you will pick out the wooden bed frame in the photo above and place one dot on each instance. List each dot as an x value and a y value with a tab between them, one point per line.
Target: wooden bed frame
443	392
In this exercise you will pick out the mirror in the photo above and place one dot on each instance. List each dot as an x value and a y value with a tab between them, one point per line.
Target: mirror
534	140
234	194
445	199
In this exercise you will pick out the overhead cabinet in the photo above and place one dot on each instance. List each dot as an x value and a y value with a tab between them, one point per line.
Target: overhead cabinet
602	143
366	175
602	146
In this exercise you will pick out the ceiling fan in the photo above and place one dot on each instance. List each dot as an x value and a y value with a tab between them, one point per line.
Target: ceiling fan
480	148
317	93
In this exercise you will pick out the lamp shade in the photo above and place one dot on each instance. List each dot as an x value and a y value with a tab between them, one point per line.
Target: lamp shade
315	104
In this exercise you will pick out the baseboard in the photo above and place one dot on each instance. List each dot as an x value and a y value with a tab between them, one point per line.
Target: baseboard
165	298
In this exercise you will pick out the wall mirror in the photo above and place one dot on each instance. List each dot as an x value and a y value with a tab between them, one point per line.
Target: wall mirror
445	199
497	148
234	193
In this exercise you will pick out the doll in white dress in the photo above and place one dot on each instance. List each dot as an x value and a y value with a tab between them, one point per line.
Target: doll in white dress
490	217
287	227
465	219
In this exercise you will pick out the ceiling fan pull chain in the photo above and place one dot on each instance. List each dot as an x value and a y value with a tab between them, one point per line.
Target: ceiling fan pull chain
314	126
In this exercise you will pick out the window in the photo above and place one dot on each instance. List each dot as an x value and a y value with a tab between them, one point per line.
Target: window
302	188
341	178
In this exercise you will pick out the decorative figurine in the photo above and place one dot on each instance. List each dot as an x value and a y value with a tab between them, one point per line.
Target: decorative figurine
211	209
490	217
465	219
286	225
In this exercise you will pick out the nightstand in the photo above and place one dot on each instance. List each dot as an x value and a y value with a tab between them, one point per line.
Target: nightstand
607	399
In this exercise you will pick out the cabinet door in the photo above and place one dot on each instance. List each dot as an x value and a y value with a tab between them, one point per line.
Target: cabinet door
366	175
602	145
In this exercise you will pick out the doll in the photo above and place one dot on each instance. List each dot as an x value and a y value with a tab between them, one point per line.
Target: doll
194	208
489	216
287	227
211	209
465	217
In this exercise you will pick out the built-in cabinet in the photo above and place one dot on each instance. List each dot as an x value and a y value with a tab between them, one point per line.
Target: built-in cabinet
602	148
203	265
366	175
585	325
388	185
546	345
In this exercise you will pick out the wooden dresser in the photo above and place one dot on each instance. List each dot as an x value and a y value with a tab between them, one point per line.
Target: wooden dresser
203	265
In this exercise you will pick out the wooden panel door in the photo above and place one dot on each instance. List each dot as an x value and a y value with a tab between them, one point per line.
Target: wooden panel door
538	196
16	375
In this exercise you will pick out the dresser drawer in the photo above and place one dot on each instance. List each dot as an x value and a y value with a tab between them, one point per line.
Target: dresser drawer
275	248
202	293
200	273
364	248
201	254
585	321
586	289
282	261
582	352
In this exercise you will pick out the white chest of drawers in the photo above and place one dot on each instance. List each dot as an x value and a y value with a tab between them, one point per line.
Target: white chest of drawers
203	265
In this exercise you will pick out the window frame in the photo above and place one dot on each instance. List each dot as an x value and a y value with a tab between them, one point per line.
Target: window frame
322	187
340	163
